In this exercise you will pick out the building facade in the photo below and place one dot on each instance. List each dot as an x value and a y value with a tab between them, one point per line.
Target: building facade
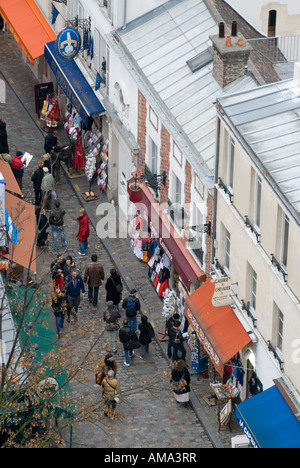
257	231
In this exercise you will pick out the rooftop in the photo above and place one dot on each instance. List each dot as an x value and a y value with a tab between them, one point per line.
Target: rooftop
160	44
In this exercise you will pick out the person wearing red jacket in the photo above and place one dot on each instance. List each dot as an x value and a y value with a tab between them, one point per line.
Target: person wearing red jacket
83	232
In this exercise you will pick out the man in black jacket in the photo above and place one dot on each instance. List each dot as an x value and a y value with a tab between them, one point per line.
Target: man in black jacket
132	305
169	324
51	141
3	137
56	220
177	340
37	178
126	334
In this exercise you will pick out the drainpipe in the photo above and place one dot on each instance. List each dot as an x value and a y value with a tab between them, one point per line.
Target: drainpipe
125	15
215	190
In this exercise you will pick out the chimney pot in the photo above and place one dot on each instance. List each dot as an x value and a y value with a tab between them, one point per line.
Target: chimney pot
234	28
221	30
228	41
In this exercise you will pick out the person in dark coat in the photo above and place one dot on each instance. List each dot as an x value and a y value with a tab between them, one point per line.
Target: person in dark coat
42	223
114	287
177	341
93	276
37	178
180	381
132	305
51	141
3	137
111	318
126	334
146	335
170	324
74	286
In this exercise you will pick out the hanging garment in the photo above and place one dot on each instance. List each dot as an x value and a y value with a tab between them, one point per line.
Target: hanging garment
79	158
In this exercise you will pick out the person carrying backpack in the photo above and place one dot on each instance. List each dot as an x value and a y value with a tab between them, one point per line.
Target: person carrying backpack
132	305
177	342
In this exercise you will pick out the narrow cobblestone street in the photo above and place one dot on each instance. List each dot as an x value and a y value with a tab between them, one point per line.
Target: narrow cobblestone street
149	417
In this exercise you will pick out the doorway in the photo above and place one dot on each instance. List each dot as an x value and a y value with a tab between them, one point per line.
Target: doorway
272	23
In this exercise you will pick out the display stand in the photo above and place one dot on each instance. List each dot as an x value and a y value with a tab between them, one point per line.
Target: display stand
224	394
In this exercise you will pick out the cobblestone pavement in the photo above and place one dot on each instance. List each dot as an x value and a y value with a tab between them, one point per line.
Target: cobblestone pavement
149	416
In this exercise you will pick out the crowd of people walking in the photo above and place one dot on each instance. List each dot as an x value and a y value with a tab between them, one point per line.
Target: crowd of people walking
69	285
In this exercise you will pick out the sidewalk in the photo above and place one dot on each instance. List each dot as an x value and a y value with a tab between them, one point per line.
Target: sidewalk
133	272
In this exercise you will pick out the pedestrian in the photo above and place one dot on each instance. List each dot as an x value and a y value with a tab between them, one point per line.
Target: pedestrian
114	288
146	335
94	276
59	309
74	286
37	178
129	340
3	138
132	305
108	363
56	220
169	324
18	167
180	380
177	341
68	266
111	318
48	189
42	226
83	232
111	393
51	141
47	162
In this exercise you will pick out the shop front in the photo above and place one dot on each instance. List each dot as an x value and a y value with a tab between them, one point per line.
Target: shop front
155	241
82	121
28	26
269	420
221	339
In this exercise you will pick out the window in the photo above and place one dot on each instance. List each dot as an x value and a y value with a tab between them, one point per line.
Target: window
153	157
177	153
279	338
284	240
176	190
230	162
272	23
257	200
253	289
227	250
153	118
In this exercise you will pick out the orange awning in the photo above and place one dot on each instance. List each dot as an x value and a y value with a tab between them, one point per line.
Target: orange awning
23	217
28	26
218	328
10	180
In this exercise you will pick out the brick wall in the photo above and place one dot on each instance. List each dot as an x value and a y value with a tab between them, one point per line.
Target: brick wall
226	70
142	131
165	163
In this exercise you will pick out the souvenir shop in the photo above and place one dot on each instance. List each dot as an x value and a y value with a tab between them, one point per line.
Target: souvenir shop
91	150
171	269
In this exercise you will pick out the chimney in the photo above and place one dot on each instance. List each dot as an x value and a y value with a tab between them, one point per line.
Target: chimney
231	54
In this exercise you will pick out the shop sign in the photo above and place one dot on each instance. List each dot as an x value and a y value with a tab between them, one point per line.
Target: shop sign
221	296
204	340
47	388
68	43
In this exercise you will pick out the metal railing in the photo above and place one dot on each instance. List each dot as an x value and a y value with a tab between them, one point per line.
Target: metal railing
278	49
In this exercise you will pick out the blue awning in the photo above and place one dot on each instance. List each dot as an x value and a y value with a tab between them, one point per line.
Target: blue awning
268	421
73	83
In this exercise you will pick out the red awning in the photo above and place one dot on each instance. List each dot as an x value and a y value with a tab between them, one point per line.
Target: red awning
28	26
170	241
218	328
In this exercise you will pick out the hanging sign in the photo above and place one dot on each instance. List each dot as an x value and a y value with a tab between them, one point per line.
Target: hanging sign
68	43
221	296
